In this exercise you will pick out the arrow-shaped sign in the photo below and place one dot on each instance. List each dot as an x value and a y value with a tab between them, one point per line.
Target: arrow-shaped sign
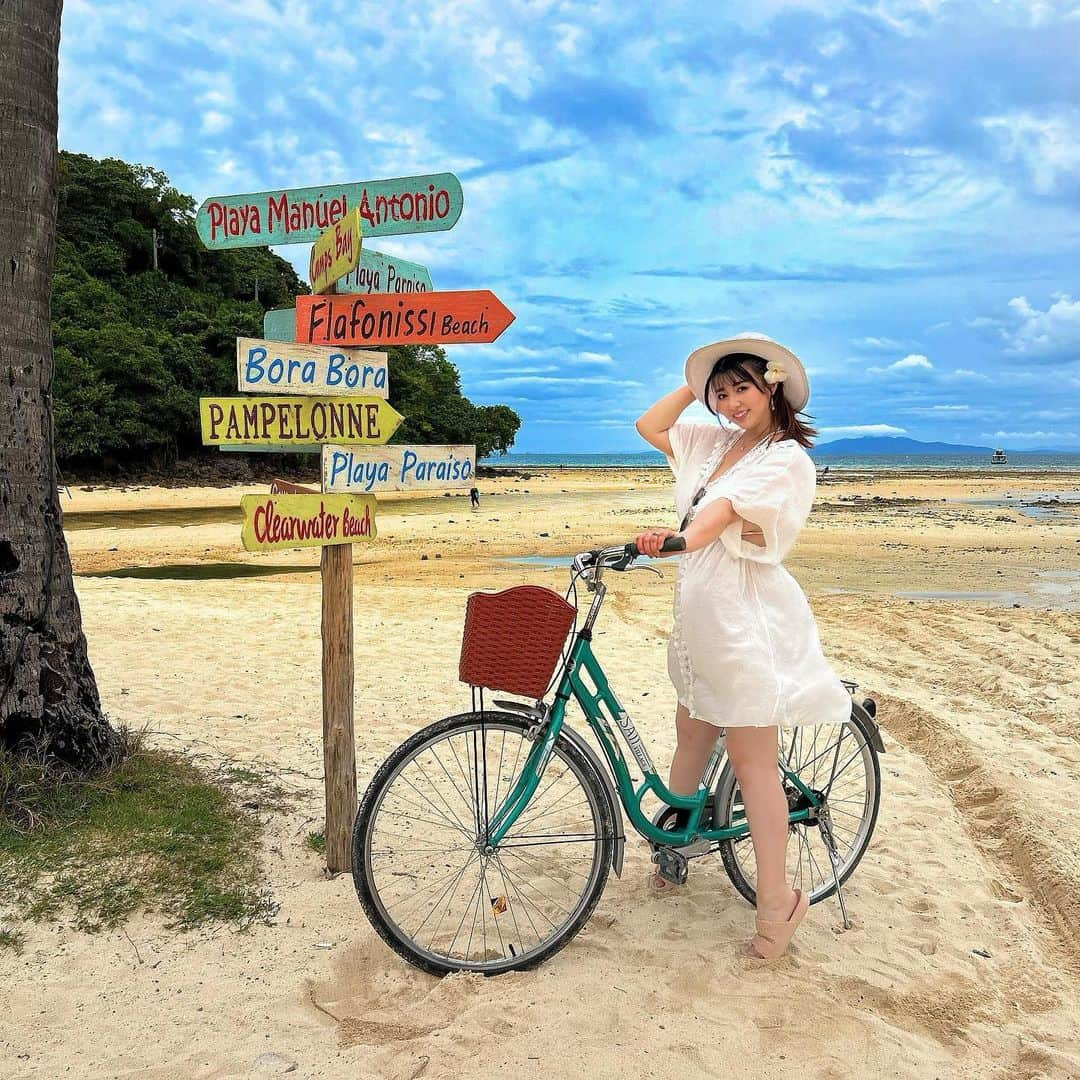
408	204
397	468
290	521
288	421
275	367
435	318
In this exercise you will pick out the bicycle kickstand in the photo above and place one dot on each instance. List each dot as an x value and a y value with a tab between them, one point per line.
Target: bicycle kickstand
825	825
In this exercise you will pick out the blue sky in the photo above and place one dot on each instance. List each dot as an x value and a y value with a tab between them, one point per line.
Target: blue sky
890	188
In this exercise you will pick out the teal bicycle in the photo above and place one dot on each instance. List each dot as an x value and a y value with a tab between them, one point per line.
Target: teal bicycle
485	840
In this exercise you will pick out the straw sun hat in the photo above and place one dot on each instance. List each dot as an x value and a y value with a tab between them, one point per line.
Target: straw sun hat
785	365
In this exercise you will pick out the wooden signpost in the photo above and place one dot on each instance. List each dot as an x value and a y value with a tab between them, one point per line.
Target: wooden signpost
283	368
436	318
336	252
287	487
408	204
396	468
335	397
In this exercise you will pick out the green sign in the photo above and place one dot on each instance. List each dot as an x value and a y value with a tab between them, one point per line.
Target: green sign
385	273
279	324
408	204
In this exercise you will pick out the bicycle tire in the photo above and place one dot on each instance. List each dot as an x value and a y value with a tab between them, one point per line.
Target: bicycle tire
367	879
725	797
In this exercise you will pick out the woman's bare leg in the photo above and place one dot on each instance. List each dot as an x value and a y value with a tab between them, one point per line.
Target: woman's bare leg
696	740
752	752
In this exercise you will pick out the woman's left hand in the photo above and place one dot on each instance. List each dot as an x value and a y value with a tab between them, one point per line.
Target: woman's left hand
648	543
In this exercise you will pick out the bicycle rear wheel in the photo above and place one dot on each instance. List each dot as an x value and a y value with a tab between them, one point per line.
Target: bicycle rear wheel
436	891
835	760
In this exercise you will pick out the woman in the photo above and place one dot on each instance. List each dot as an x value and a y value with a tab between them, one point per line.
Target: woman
744	653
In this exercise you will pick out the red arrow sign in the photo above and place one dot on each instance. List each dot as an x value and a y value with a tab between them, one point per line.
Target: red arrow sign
433	318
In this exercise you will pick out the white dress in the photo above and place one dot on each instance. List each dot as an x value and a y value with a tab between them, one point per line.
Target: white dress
744	650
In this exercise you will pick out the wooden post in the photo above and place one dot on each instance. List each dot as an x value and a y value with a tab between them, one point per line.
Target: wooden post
339	757
339	746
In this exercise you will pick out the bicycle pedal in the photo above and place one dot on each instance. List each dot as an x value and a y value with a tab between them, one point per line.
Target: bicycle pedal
672	866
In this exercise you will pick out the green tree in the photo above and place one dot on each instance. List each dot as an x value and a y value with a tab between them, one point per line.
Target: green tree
138	345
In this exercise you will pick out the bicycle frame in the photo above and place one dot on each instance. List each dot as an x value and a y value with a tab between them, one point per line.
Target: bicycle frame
583	662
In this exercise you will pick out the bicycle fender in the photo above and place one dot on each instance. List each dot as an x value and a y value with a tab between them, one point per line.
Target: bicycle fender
871	726
591	756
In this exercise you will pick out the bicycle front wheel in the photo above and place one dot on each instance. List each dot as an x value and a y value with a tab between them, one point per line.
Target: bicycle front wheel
432	886
839	763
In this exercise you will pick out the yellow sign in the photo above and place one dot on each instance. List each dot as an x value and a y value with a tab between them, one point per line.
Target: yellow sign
272	522
296	421
336	253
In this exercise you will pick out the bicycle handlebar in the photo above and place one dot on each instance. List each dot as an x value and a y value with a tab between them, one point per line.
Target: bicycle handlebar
671	544
620	557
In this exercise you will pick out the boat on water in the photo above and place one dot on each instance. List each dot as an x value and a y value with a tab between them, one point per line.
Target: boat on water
998	458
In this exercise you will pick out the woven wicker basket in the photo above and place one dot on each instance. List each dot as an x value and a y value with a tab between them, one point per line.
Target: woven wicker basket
513	639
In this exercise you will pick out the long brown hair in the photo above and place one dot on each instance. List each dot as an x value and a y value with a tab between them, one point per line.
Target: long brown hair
745	367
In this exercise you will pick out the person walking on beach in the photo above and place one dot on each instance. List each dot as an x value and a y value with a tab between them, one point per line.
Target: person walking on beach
474	498
744	654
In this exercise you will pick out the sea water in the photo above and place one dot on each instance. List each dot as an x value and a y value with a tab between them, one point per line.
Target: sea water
1019	460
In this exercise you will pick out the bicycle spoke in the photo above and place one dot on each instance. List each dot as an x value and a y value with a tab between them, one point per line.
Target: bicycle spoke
467	779
445	892
530	857
450	809
539	892
434	888
453	782
857	754
528	902
511	904
547	813
524	905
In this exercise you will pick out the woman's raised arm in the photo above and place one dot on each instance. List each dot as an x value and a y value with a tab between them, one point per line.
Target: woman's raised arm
653	424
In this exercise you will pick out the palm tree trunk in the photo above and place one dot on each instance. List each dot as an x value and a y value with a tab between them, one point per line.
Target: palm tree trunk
47	690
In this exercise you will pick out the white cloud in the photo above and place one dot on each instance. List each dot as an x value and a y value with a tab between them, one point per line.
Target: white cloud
967	374
214	122
851	430
1046	147
1072	436
543	380
1044	333
595	358
913	361
883	343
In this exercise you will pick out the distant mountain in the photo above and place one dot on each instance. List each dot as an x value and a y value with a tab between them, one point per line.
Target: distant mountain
895	444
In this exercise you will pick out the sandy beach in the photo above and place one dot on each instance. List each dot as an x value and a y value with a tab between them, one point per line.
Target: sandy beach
963	960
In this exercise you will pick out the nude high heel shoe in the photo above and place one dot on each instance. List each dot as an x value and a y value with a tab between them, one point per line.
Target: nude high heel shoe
773	938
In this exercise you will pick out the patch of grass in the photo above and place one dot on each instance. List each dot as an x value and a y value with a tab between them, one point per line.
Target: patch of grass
317	842
151	832
11	940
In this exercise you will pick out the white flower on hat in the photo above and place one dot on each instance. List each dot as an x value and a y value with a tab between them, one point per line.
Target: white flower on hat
775	372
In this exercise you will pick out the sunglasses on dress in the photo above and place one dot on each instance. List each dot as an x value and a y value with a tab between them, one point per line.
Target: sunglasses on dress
690	512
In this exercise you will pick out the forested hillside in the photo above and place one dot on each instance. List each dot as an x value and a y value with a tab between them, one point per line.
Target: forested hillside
136	346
